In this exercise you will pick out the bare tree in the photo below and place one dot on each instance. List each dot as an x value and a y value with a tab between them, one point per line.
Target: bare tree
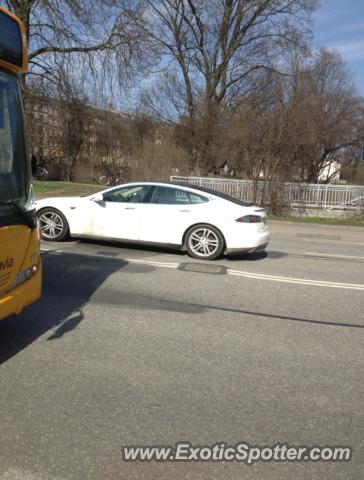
74	114
58	122
217	47
297	125
327	113
100	33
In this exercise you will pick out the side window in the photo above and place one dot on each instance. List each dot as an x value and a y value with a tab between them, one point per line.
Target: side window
194	198
163	196
132	194
174	196
166	196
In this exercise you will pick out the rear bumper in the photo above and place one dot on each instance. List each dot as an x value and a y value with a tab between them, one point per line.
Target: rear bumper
259	243
21	296
247	250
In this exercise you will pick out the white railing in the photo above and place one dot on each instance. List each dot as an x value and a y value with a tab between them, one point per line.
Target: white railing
318	196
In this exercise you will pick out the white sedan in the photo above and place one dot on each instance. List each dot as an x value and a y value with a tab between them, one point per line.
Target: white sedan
204	222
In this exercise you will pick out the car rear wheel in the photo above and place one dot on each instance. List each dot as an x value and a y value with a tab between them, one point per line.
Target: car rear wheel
53	225
204	242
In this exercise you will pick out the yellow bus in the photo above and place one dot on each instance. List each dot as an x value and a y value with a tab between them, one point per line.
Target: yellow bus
20	266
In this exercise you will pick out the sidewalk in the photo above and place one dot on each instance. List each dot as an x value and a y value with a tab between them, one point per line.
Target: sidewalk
324	232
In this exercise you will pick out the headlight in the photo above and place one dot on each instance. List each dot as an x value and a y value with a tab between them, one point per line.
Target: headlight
25	275
22	277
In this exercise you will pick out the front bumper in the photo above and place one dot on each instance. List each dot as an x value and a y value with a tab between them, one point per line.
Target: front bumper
26	293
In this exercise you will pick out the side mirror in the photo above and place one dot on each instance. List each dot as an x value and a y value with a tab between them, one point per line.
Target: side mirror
98	197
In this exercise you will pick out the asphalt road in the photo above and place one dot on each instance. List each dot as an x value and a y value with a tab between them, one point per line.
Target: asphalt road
135	346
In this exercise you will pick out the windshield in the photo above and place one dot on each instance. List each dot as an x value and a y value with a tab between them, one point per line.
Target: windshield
15	180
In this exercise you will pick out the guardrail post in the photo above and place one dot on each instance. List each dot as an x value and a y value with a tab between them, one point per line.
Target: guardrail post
325	198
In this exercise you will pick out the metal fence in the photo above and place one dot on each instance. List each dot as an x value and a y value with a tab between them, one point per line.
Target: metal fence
326	197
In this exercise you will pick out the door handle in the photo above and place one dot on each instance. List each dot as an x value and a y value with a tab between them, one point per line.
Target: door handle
129	208
184	211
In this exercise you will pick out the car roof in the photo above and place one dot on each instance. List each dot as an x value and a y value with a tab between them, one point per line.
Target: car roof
198	188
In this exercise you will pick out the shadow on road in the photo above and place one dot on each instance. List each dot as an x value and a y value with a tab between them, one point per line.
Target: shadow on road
71	277
279	317
250	257
163	250
70	280
138	247
149	303
115	248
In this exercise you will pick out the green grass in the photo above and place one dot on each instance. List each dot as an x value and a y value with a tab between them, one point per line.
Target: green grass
350	222
63	189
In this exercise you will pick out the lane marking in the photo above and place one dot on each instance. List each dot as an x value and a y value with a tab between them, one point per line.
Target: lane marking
318	240
56	250
328	255
259	276
153	263
298	281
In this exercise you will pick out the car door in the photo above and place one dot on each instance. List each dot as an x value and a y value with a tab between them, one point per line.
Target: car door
116	215
169	212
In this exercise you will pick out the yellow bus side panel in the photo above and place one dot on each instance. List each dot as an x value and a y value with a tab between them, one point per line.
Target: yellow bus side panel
21	296
19	251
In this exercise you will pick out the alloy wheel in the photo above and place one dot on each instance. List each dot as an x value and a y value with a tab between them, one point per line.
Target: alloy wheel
51	225
204	242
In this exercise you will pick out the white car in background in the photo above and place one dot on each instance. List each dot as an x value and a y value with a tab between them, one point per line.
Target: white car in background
203	222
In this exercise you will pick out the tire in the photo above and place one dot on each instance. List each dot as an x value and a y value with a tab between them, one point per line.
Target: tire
204	242
104	180
53	225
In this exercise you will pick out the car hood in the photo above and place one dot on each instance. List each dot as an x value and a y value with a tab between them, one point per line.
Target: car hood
59	202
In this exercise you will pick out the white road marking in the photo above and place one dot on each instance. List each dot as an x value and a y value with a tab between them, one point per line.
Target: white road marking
56	250
261	276
298	281
153	263
313	254
256	276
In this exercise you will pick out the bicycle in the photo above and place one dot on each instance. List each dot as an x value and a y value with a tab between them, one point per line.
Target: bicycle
110	180
41	173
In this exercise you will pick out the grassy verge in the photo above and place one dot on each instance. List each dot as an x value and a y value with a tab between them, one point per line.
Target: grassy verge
63	189
350	222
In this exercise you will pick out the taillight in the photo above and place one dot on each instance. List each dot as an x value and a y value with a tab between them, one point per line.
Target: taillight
250	219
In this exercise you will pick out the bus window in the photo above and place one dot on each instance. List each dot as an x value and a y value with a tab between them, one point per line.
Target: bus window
6	148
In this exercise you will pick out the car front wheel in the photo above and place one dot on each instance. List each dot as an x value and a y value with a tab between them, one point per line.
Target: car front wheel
204	242
53	225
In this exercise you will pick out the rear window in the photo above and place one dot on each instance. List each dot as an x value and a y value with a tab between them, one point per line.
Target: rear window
224	196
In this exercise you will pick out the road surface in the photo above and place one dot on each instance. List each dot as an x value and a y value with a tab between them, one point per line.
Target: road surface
136	346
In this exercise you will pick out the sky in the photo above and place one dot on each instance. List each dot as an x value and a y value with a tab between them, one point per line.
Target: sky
339	25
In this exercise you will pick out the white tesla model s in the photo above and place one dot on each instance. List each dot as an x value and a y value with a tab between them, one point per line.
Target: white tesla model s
204	222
